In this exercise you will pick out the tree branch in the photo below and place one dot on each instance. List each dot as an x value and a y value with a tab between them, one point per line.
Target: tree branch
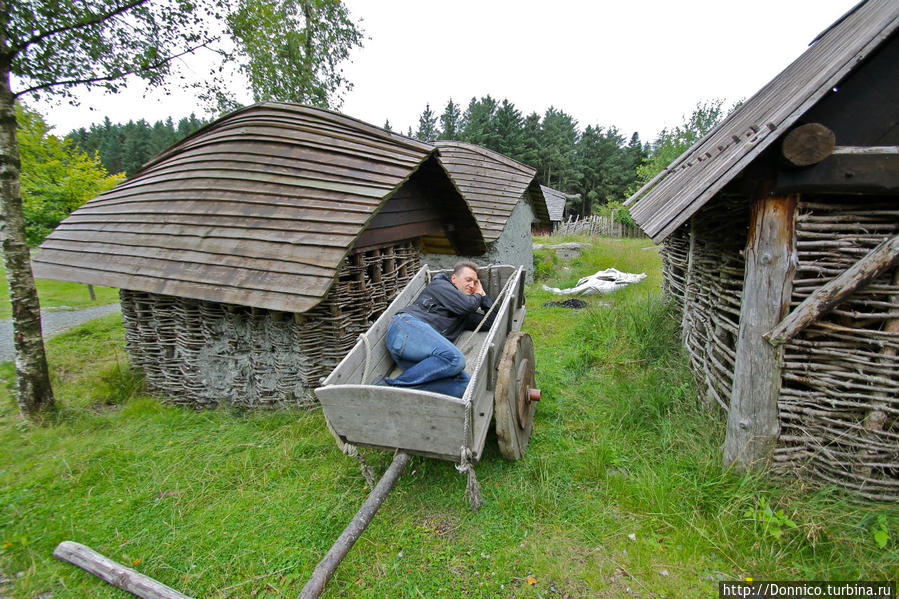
19	46
92	80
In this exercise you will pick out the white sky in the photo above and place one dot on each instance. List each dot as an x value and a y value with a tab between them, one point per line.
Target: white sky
639	65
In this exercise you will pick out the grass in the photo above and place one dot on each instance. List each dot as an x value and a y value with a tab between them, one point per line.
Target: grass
59	294
621	492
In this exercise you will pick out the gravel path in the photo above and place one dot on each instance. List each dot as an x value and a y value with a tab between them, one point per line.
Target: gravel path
52	322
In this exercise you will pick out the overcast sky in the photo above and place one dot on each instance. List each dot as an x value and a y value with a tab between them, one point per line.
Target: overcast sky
636	65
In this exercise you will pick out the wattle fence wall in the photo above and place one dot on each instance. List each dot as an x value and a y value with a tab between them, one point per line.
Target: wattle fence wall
598	226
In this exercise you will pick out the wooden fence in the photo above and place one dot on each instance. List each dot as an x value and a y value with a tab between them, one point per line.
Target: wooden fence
598	226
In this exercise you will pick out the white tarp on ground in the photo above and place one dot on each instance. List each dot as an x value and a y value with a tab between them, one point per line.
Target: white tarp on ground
605	281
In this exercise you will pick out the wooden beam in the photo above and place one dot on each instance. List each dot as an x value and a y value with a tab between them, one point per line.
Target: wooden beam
326	568
872	171
753	425
877	261
113	572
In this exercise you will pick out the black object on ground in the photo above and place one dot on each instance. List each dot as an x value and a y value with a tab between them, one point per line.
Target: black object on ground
574	304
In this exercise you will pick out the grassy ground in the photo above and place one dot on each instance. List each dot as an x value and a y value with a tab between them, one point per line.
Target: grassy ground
621	492
59	294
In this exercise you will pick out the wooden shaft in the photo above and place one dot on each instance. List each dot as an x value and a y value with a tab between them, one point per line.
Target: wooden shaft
326	568
113	572
826	297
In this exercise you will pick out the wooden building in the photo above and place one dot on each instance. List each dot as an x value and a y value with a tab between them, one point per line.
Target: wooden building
556	204
780	248
252	254
504	197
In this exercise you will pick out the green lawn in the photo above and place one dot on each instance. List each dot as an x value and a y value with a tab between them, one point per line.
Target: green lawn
621	492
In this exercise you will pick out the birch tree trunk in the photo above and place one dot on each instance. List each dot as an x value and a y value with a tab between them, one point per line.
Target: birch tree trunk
34	393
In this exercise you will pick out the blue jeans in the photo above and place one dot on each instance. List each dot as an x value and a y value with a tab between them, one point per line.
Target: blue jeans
429	360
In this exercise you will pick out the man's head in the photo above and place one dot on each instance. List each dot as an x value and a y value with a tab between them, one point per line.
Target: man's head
465	277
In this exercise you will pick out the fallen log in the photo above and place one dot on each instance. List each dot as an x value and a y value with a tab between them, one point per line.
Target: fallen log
113	572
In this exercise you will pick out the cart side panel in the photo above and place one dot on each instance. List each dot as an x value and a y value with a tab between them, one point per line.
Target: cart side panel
407	419
351	368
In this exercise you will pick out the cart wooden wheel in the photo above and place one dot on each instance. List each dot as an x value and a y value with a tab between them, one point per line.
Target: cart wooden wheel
516	395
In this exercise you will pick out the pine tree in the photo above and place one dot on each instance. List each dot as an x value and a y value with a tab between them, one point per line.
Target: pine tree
477	123
427	125
508	126
450	121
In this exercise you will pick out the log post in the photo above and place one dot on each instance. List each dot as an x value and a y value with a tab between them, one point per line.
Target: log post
113	572
808	144
753	425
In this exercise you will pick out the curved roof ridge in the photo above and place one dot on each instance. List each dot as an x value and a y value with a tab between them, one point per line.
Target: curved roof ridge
488	153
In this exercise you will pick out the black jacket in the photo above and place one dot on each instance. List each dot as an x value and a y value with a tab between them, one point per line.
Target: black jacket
449	310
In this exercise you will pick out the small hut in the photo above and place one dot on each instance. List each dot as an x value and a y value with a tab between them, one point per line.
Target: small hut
556	204
780	249
252	254
504	197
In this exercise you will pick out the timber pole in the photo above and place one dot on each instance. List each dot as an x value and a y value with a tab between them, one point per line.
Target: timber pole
113	572
326	568
753	424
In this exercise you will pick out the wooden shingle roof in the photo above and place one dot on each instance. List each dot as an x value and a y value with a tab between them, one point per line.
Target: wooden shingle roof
259	208
679	191
555	202
491	183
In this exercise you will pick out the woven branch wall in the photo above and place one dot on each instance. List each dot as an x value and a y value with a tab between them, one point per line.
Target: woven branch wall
203	354
703	276
839	403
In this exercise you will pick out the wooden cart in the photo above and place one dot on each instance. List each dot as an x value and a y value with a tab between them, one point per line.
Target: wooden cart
501	364
500	361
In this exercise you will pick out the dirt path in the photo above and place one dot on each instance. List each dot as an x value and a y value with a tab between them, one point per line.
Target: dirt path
53	322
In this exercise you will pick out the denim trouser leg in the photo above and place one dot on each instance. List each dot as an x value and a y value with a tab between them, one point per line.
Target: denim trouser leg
429	360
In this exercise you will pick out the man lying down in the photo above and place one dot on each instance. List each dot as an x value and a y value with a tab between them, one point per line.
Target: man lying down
420	336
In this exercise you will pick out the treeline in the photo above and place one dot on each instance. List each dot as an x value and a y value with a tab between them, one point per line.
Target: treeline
599	163
123	148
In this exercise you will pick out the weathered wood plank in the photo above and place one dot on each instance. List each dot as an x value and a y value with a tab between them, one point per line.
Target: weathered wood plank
233	259
845	173
879	260
406	419
752	420
283	301
200	274
329	244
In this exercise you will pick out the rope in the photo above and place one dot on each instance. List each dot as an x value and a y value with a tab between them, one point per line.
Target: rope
364	339
472	489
